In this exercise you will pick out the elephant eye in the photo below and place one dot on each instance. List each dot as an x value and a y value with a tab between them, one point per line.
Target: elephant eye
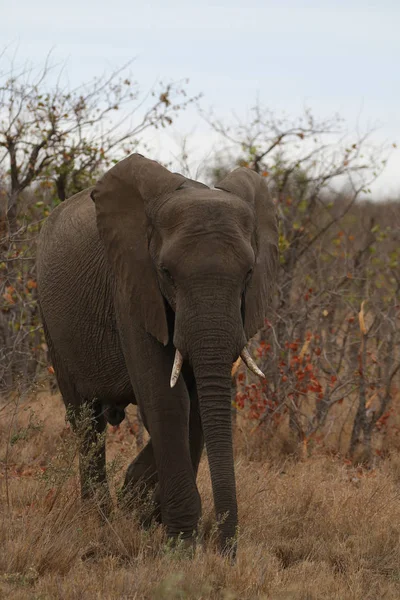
247	279
167	274
249	274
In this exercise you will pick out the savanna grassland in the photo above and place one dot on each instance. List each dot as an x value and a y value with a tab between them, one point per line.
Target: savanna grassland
312	526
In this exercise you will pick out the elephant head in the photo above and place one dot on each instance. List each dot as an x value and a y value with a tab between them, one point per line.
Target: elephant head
211	255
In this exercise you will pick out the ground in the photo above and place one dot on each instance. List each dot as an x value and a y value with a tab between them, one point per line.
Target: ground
316	528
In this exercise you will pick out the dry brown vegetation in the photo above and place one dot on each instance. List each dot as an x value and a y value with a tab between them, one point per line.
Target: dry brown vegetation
314	523
310	528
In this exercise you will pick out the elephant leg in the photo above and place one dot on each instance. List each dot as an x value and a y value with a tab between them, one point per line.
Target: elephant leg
140	483
142	472
196	444
165	412
88	422
180	503
141	477
89	425
176	494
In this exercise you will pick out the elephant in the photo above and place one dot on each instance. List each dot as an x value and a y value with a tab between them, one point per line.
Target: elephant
150	286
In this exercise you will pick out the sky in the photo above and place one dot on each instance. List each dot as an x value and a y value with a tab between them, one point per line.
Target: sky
332	56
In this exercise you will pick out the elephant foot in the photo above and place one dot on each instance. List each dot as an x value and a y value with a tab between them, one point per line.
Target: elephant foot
147	519
100	500
183	547
228	549
151	512
105	507
145	501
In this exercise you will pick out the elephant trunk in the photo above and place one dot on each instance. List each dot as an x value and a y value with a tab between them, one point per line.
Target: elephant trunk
213	380
209	332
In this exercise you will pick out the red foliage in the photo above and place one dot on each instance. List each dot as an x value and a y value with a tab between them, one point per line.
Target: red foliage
298	376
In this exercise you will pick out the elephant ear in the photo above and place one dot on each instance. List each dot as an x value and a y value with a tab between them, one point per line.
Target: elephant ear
252	188
123	197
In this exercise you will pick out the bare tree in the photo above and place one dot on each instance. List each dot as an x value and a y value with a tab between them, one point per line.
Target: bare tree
329	248
62	138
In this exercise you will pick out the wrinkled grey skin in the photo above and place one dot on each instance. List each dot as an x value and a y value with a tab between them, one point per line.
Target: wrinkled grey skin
144	263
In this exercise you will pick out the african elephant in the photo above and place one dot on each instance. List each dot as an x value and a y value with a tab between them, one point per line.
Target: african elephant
146	274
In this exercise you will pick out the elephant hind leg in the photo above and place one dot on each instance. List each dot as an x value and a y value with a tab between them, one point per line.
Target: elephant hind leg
89	425
88	422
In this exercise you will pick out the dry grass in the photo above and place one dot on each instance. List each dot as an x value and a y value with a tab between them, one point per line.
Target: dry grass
310	529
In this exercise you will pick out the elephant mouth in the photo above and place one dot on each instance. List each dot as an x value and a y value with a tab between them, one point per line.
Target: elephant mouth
244	355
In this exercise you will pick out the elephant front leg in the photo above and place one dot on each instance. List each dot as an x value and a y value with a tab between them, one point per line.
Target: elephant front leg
177	491
165	412
140	485
141	479
175	495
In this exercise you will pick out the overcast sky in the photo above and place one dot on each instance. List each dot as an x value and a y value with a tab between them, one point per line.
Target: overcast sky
334	56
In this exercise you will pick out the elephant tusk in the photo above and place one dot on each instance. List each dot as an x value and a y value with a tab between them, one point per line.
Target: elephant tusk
235	366
249	362
176	369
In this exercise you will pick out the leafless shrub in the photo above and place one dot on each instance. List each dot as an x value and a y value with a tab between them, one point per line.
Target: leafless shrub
330	346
